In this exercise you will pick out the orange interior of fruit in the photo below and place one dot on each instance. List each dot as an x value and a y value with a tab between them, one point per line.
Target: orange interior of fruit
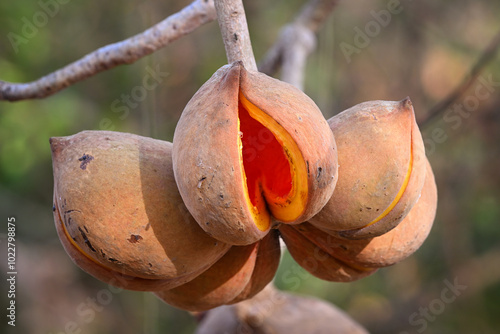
273	168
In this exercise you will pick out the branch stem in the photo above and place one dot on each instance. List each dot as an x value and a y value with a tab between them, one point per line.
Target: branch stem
234	30
128	51
314	13
486	58
297	40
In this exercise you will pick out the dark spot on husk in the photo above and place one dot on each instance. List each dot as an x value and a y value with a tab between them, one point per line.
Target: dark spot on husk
200	181
319	173
85	159
86	240
134	238
113	260
67	222
53	207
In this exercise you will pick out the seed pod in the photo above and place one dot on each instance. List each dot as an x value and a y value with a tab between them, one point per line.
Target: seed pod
218	285
381	169
318	262
250	150
266	265
273	312
389	248
240	274
119	215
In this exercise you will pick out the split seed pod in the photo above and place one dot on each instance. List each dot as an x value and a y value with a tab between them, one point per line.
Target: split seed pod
387	249
240	274
266	265
381	169
250	150
317	261
119	215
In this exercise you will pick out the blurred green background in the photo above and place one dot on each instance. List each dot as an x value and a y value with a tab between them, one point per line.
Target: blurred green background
423	52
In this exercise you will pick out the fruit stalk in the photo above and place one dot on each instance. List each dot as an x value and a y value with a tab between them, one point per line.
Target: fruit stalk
234	30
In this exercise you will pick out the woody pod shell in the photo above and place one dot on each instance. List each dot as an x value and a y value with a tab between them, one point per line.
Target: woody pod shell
381	251
382	168
207	154
119	215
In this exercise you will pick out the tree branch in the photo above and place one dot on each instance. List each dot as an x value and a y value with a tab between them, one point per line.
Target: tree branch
296	41
234	30
314	14
127	51
487	56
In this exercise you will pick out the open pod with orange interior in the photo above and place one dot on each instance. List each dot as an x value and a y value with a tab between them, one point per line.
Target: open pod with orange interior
251	151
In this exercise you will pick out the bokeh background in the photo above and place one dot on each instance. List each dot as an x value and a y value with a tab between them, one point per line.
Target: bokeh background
424	52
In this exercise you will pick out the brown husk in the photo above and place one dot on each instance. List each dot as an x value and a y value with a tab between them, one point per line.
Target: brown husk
375	142
207	158
115	195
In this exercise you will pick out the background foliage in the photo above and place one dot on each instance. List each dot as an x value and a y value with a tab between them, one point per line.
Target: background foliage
424	52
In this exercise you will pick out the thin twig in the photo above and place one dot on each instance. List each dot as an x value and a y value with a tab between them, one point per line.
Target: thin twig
314	13
292	50
296	41
487	56
234	30
128	51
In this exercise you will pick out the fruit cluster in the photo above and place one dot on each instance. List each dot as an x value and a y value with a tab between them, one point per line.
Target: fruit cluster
198	221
